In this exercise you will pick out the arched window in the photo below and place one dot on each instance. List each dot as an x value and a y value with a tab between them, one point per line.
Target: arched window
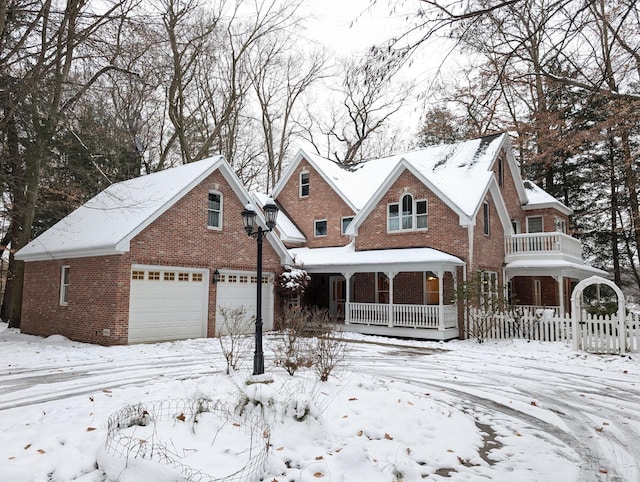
407	214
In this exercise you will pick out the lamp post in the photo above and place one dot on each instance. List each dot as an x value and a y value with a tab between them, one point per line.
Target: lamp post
249	219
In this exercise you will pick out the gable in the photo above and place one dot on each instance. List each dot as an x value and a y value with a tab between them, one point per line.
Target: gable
107	223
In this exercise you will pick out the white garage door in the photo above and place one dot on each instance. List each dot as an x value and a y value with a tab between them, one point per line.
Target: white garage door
167	303
237	289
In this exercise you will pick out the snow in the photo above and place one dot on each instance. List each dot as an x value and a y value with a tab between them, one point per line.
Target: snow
341	256
405	410
459	173
103	223
539	198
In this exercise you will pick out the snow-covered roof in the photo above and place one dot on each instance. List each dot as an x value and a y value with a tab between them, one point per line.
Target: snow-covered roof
539	198
286	228
106	223
346	258
578	269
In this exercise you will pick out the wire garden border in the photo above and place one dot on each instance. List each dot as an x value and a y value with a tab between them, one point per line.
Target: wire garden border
148	413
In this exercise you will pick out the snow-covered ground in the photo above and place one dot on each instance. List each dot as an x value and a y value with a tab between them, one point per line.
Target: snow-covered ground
398	410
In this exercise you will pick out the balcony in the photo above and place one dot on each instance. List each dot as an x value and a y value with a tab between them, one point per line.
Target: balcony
542	245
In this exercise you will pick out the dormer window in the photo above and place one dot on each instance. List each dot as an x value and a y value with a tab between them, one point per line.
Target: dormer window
304	184
407	215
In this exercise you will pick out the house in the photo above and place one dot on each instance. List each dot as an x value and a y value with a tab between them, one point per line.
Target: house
387	242
137	262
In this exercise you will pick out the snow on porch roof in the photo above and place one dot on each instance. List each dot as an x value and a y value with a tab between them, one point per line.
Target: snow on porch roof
346	258
552	264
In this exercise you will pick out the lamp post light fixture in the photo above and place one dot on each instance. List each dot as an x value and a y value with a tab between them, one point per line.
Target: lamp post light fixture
249	219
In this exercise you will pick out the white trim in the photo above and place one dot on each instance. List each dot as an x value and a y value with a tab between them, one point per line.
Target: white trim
64	288
541	223
315	228
220	211
300	184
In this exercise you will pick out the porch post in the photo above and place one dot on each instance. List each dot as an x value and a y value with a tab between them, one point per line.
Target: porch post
347	297
561	294
390	308
441	326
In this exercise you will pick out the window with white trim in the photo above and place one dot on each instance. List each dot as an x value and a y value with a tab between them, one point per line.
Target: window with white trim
561	225
346	221
407	215
500	172
64	286
485	218
320	227
214	216
382	288
534	224
488	288
304	184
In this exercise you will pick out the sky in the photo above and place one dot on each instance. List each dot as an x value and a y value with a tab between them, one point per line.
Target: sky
507	411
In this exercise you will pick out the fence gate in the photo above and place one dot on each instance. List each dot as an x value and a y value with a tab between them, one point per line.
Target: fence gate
594	334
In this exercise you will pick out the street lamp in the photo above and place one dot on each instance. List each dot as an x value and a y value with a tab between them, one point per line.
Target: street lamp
249	219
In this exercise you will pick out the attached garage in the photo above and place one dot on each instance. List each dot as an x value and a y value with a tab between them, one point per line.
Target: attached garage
167	303
238	289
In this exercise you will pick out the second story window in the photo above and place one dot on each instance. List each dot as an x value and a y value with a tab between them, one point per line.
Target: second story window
534	224
304	184
561	225
485	218
214	219
407	215
346	221
320	228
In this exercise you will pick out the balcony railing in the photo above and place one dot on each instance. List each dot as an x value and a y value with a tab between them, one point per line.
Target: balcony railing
407	316
557	245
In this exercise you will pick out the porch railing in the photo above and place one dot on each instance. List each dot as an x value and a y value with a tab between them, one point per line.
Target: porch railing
542	244
407	316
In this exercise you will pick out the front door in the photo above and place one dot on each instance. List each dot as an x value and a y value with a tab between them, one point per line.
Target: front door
337	296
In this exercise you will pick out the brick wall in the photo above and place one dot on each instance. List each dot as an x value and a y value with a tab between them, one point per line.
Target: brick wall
444	232
98	297
321	203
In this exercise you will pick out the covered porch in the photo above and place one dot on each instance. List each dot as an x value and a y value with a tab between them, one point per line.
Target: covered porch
395	292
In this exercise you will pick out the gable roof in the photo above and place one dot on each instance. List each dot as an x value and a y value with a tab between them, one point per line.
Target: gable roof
106	223
539	198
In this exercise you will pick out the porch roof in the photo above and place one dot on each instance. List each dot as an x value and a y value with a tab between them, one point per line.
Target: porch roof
551	267
343	259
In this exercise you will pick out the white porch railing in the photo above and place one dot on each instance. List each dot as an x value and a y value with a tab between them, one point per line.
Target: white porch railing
542	244
407	316
538	310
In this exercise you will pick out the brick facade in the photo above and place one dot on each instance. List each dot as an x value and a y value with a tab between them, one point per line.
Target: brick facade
99	286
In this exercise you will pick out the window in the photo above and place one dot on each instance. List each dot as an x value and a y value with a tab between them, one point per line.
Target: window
64	286
169	276
346	221
407	215
485	218
515	225
137	274
244	278
215	210
196	277
534	224
488	288
432	288
500	172
561	225
304	184
320	228
183	276
382	288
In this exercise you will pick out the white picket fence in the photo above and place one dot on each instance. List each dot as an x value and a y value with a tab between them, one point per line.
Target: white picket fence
597	334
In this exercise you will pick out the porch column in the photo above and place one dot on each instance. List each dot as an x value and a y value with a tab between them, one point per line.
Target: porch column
561	293
390	307
347	297
440	300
